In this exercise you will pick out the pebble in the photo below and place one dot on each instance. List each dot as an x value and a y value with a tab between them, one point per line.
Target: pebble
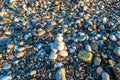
21	49
61	47
8	33
82	37
72	50
94	45
6	66
88	47
61	74
10	46
63	53
111	62
41	33
39	45
85	56
105	76
53	56
117	51
0	55
99	70
33	72
117	34
112	37
20	54
97	61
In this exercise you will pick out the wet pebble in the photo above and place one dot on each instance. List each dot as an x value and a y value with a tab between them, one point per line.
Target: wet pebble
113	37
20	54
97	61
63	53
88	47
99	70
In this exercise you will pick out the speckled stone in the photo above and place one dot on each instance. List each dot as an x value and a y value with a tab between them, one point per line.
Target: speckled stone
85	56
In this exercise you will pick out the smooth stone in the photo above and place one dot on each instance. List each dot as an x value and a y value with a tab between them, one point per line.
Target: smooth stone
63	53
72	50
99	70
41	33
10	46
82	37
58	65
97	61
88	47
117	51
105	76
19	55
61	74
33	72
21	49
1	55
59	39
6	77
112	37
8	33
61	48
61	43
111	62
6	66
39	45
85	56
27	36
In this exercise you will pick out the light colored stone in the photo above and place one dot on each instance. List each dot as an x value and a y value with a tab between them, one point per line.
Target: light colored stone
21	49
113	37
33	72
63	53
97	61
8	33
53	56
61	74
19	55
6	77
10	46
88	47
85	56
0	55
99	70
117	51
61	48
105	76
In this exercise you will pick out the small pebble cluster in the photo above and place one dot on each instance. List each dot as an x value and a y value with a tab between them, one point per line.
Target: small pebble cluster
59	40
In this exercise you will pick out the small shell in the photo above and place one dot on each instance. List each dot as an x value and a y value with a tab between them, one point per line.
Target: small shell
63	53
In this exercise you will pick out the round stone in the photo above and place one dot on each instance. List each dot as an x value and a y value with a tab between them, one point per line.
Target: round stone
117	51
97	61
63	53
19	55
113	38
61	48
85	56
99	70
33	72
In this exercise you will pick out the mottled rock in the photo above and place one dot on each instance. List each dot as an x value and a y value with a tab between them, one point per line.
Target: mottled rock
97	61
85	56
61	74
94	45
99	70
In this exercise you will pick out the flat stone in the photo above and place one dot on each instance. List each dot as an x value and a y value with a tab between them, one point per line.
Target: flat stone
63	53
85	56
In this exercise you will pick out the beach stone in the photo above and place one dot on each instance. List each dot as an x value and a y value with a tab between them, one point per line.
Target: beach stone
53	56
39	45
21	49
85	56
20	54
61	74
61	47
97	61
33	72
117	51
94	45
0	55
111	62
99	70
88	47
10	46
6	66
82	37
105	76
8	33
63	53
41	33
113	37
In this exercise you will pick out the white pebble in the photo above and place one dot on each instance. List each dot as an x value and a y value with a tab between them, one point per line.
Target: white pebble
88	47
63	53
